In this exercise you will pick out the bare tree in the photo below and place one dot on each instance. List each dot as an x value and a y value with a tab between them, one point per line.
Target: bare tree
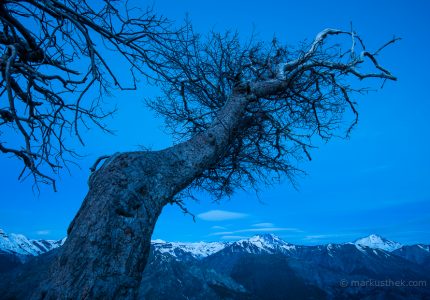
55	71
244	114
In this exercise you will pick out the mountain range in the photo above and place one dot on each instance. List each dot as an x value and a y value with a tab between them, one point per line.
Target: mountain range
261	267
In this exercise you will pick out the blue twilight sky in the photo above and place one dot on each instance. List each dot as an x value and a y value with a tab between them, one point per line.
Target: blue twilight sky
375	182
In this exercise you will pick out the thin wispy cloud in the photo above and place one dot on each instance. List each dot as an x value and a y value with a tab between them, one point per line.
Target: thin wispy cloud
43	232
317	237
233	237
222	233
216	227
330	236
269	229
257	230
221	215
263	225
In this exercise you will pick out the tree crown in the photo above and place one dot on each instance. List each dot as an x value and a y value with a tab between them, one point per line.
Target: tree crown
296	94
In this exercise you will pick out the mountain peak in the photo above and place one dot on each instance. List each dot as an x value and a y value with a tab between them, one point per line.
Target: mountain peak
197	250
266	243
266	237
375	241
20	245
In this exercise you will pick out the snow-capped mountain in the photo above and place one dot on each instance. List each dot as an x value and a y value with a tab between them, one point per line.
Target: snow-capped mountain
196	250
260	267
21	246
266	243
377	242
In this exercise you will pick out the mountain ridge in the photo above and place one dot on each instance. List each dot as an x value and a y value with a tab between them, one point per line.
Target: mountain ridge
260	267
22	246
268	243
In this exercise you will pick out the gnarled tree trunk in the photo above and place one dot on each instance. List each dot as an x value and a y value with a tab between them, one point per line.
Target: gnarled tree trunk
109	239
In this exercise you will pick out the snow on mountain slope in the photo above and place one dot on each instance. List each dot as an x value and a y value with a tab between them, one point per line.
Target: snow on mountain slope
266	243
424	247
20	245
197	250
376	242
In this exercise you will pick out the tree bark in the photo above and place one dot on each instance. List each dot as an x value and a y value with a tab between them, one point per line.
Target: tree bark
109	239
